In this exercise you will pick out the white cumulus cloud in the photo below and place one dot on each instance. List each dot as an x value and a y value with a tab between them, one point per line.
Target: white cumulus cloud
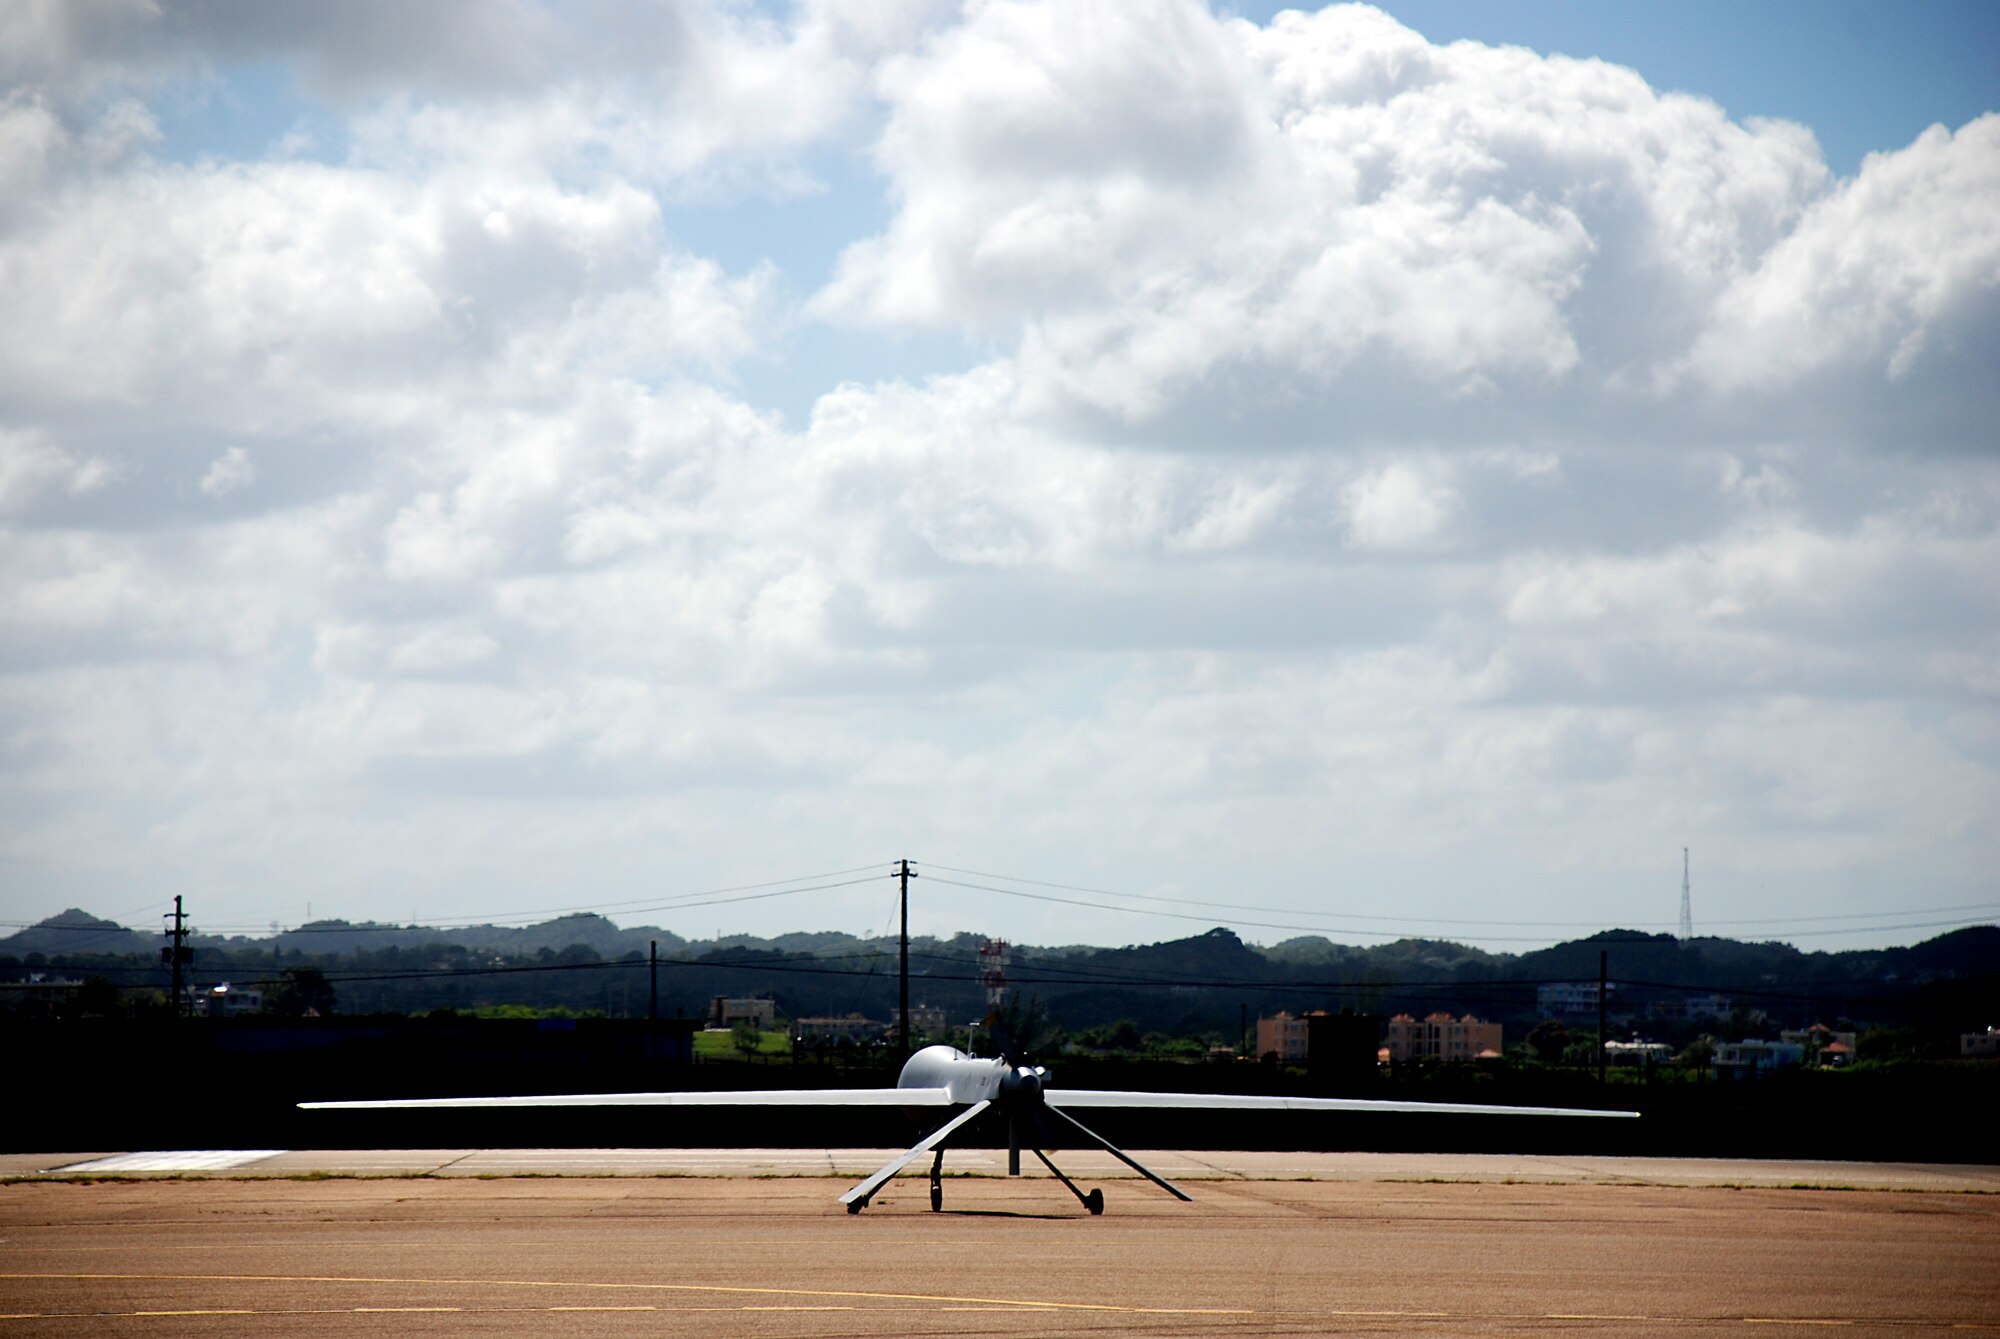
723	439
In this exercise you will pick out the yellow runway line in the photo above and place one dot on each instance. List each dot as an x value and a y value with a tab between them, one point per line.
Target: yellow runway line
944	1303
1010	1303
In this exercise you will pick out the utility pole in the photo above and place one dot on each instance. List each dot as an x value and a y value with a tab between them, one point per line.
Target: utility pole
653	1002
903	965
178	954
1603	972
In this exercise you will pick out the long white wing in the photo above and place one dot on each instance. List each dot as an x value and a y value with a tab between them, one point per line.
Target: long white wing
780	1097
1097	1097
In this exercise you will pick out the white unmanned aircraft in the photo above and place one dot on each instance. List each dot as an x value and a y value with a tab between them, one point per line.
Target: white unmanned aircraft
943	1076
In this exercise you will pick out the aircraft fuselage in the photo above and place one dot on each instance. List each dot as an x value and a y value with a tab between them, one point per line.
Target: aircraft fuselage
967	1078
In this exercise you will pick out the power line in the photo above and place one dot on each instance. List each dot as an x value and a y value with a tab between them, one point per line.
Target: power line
1377	934
686	902
1989	906
1151	905
657	904
1239	906
1134	911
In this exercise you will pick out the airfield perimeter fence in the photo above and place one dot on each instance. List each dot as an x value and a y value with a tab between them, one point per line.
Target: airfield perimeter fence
205	1083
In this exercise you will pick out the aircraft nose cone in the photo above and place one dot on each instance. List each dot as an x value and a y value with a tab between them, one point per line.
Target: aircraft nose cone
1023	1084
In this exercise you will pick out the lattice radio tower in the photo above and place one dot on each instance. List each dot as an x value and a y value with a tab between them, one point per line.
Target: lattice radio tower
993	975
1687	905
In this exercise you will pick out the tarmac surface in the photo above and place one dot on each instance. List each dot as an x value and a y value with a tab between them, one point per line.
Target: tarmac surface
751	1243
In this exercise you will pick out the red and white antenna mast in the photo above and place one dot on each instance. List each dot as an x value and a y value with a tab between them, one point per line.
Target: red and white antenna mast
993	974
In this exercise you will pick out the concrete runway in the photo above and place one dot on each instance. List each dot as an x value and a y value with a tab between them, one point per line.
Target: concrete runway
475	1242
855	1163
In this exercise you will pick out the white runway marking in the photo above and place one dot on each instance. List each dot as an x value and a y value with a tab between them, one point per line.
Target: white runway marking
190	1160
854	1163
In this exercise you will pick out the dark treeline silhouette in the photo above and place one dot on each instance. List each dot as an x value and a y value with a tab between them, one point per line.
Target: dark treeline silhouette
104	1064
1203	986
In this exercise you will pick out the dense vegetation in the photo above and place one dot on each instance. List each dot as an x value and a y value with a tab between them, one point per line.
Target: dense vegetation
1173	999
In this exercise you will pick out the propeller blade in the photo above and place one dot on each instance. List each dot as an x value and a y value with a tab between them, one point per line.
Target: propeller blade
1121	1155
857	1199
1014	1143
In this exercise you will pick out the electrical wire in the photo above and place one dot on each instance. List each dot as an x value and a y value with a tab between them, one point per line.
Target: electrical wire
1377	934
685	902
1775	928
1438	920
1200	919
657	904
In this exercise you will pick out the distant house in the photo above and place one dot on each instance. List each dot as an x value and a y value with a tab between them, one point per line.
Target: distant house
726	1011
224	1001
1570	999
1822	1045
1696	1007
1755	1058
1637	1053
1443	1038
40	994
1331	1044
1984	1045
1284	1036
926	1020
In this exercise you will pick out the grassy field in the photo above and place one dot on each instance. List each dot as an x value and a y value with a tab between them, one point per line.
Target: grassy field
722	1046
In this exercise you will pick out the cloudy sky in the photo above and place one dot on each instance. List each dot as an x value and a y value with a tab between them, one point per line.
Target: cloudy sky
1330	472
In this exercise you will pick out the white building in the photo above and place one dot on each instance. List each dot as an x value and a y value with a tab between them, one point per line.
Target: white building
1571	999
225	1001
1637	1053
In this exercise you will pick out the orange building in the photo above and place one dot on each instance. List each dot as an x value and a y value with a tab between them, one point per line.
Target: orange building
1284	1036
1442	1037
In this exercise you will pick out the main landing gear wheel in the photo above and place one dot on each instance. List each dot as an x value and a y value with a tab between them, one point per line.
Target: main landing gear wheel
1094	1201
